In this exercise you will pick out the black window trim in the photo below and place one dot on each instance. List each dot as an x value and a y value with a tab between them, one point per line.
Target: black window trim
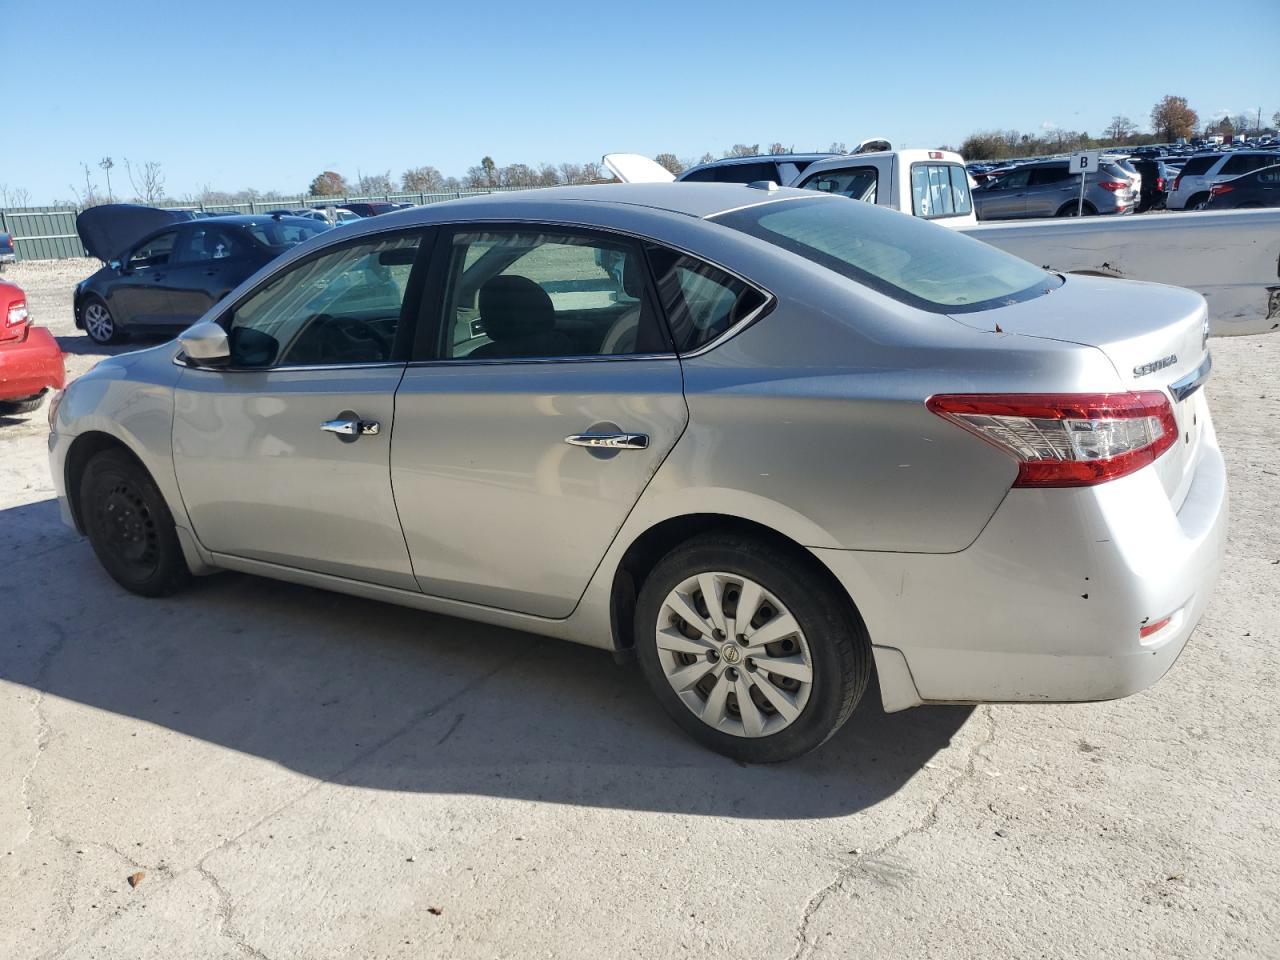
943	163
428	329
410	310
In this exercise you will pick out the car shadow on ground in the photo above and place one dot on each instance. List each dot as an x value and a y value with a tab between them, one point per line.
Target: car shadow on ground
368	694
84	345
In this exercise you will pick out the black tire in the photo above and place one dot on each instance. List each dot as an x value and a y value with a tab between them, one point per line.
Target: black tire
21	405
1069	209
130	526
1197	201
838	644
95	333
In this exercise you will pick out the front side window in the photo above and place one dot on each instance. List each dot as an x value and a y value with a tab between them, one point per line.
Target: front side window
338	308
857	183
913	262
286	233
156	252
1013	180
537	294
939	190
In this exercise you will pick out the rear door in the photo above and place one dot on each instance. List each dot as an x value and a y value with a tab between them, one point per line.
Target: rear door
210	258
1050	189
543	399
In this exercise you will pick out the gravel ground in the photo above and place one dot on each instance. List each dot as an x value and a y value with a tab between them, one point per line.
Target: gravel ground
293	774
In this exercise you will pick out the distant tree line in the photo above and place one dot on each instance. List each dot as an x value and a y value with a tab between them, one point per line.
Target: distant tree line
1172	119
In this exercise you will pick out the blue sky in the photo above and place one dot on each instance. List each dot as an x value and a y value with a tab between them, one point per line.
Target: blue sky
267	94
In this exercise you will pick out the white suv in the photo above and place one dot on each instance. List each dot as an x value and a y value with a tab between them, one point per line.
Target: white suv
1199	174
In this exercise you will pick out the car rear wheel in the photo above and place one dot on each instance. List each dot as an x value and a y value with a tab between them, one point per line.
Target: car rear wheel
1198	201
21	404
130	527
1069	209
98	322
748	649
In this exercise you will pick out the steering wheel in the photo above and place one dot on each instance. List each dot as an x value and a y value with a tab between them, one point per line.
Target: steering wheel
337	338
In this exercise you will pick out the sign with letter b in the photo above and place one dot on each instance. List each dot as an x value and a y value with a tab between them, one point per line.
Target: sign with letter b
1084	163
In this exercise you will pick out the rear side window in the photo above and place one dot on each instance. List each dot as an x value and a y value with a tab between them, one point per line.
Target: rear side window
857	183
736	173
901	257
939	190
702	302
1269	175
1054	174
1197	166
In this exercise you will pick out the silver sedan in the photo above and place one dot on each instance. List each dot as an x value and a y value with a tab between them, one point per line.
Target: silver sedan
777	445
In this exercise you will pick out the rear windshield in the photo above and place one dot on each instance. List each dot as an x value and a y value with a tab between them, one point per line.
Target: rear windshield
286	233
1198	165
914	262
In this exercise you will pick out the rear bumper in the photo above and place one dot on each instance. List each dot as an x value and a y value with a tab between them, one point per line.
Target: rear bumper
30	365
1047	603
8	258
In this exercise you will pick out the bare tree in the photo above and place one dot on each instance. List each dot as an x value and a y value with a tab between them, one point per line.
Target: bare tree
14	196
106	163
1243	123
744	150
421	180
593	173
571	173
374	184
776	149
547	175
89	197
1120	129
147	180
671	163
837	146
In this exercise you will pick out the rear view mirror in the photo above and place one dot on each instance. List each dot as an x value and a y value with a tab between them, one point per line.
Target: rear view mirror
116	265
205	343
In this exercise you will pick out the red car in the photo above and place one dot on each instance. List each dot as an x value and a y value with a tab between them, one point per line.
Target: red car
30	360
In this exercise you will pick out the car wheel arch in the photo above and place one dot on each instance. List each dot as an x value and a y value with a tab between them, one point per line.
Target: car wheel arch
83	449
647	549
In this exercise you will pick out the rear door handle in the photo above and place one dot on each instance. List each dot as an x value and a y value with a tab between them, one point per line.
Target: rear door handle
352	428
610	441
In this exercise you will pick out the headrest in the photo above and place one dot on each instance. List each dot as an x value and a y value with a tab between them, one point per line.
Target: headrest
512	306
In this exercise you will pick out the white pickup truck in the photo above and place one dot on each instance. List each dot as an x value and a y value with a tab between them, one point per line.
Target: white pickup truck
1231	257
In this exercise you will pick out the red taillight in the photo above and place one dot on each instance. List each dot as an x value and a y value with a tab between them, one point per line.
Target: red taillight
1218	189
1067	439
1177	182
1113	185
1159	183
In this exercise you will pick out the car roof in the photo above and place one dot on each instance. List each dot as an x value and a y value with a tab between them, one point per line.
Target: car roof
248	219
698	200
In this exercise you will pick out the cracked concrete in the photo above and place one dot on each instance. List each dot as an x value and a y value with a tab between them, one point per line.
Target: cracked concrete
302	775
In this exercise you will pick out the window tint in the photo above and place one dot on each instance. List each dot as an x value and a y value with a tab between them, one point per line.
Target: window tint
858	183
939	190
154	253
523	294
1012	180
1057	173
201	243
1246	163
1197	166
737	173
286	233
701	301
338	308
901	257
1270	175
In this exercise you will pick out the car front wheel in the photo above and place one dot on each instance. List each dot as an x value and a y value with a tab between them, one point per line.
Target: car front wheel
749	648
129	525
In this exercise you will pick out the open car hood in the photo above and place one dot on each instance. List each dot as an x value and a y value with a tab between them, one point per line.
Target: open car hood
109	230
633	168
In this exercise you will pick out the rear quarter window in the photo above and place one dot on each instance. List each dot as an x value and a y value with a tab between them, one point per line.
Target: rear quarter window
1198	166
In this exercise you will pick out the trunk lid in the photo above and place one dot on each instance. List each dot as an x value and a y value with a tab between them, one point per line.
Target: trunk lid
634	168
1156	336
110	229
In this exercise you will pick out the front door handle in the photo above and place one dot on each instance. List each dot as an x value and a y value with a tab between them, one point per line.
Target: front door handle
610	441
352	428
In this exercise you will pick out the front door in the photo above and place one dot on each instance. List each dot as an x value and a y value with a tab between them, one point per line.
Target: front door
283	455
547	397
210	258
140	295
1006	199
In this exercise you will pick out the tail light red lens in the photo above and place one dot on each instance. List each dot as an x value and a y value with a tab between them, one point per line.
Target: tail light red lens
1115	186
1177	182
1067	439
1218	189
1159	183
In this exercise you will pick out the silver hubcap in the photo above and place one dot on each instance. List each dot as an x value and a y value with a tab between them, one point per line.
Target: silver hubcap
734	654
98	322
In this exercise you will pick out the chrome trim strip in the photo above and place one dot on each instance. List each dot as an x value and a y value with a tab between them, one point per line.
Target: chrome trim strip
487	361
179	360
1193	381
